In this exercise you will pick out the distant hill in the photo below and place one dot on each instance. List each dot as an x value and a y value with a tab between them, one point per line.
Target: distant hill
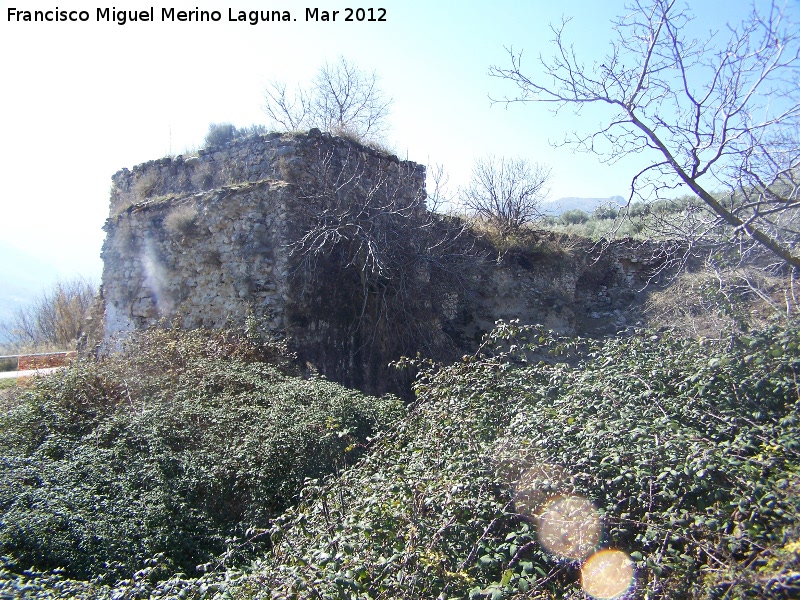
556	207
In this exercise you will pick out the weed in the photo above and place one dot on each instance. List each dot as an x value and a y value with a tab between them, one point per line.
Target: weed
181	218
145	185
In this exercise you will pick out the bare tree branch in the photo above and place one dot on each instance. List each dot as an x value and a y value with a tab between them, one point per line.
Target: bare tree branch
720	115
369	250
506	192
290	114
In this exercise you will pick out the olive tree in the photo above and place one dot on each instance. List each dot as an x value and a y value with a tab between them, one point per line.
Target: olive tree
718	114
506	192
341	99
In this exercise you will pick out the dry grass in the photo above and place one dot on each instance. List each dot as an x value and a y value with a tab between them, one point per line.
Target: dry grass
145	185
527	240
715	303
181	219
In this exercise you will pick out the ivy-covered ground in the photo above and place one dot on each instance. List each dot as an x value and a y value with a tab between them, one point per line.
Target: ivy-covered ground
647	467
184	445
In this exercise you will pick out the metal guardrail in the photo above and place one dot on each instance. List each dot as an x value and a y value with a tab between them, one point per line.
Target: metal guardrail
39	354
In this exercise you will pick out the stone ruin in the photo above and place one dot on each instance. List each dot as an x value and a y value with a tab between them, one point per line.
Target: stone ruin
268	227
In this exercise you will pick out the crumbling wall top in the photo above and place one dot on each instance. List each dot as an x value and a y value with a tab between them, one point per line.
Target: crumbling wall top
275	156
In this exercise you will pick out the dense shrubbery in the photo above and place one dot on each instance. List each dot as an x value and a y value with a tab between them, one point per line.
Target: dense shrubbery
638	220
688	451
180	442
573	217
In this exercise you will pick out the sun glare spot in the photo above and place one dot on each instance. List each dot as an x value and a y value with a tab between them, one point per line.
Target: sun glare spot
156	277
570	527
536	485
607	574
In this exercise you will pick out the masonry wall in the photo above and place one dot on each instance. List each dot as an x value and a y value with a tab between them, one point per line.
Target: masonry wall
209	240
572	286
205	259
301	159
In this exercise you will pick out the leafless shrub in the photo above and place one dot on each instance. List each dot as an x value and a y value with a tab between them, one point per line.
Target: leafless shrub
53	321
506	192
714	301
371	255
287	113
439	195
341	99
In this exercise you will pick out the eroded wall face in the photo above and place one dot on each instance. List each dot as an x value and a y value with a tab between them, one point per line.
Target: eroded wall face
208	240
205	260
310	161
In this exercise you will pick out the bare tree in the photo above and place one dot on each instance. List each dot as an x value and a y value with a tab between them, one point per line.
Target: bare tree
506	192
721	116
341	99
373	262
54	320
284	112
439	195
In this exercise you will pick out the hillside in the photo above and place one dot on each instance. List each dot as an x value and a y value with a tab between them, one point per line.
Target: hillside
588	205
214	447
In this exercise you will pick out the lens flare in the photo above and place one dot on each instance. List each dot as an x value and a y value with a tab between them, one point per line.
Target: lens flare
570	527
156	278
536	485
607	574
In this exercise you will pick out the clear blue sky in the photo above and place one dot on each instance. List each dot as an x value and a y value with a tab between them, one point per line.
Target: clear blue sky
83	100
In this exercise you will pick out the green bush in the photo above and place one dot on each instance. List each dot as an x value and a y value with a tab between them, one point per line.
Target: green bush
574	217
605	212
221	134
9	364
639	209
176	445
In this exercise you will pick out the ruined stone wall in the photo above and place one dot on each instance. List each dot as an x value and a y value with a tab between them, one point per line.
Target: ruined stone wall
207	259
292	158
209	240
206	240
570	286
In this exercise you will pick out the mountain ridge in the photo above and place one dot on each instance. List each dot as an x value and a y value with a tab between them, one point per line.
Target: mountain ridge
562	205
